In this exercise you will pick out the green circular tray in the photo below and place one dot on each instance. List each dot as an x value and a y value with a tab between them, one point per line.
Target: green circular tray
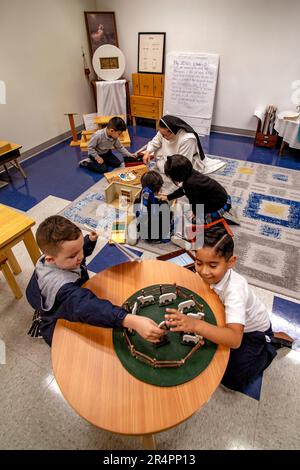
174	350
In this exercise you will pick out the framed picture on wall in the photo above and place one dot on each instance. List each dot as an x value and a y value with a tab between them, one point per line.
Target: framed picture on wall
151	52
101	29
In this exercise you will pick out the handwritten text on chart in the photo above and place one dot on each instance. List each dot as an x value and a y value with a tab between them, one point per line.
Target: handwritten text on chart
193	81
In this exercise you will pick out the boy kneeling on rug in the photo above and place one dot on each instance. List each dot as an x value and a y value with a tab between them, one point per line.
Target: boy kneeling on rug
154	217
56	291
248	330
101	144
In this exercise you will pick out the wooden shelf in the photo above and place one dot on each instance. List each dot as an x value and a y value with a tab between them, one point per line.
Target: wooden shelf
147	98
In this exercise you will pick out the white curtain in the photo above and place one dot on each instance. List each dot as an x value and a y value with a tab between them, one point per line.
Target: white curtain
111	98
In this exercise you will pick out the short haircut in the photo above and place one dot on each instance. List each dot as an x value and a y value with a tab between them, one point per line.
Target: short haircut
117	124
53	232
219	239
153	180
178	168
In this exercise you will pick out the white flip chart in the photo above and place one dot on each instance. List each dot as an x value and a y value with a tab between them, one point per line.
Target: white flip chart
190	85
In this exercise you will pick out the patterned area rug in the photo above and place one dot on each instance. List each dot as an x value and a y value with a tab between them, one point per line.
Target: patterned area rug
267	242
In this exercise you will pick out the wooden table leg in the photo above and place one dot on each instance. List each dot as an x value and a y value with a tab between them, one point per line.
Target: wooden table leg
281	150
148	442
18	167
7	172
12	261
11	280
31	246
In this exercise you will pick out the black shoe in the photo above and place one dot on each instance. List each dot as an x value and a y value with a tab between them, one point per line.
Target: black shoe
281	343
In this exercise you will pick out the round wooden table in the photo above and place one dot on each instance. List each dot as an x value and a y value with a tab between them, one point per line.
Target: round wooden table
92	378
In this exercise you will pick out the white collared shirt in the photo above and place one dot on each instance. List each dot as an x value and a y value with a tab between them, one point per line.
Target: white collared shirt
241	304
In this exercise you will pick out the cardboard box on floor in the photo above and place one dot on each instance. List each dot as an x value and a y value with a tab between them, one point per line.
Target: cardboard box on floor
115	189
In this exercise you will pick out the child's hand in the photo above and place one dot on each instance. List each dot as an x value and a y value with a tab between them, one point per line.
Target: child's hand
162	197
179	322
134	155
144	326
93	236
99	159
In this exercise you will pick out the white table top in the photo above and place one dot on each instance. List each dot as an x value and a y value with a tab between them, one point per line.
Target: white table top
288	129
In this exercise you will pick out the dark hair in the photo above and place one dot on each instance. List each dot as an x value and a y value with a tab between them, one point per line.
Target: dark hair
117	124
178	168
53	232
153	180
219	239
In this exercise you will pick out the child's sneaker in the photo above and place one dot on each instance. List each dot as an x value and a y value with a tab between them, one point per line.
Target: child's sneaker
84	163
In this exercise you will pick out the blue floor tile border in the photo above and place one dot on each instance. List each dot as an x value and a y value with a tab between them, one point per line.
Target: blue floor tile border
108	257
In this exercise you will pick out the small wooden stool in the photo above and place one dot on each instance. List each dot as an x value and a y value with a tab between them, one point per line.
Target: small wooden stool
8	274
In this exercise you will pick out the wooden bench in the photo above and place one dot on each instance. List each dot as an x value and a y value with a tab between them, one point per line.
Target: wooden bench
86	136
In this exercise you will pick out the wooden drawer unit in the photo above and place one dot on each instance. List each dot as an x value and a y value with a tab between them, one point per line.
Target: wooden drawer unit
147	84
135	84
158	85
146	107
265	140
146	101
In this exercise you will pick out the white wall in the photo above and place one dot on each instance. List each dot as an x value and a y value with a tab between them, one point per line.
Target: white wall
41	64
258	43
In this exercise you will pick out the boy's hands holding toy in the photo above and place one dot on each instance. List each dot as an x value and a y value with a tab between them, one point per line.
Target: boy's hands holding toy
178	321
144	326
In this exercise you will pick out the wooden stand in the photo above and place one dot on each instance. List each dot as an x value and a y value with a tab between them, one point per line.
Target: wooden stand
75	140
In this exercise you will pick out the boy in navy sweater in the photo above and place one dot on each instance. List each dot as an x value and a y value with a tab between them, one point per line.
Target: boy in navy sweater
56	291
154	215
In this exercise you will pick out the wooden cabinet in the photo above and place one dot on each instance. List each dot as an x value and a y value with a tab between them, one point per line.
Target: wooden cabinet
147	97
146	107
265	140
266	136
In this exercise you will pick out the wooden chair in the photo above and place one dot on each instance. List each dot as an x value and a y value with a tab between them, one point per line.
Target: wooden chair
9	266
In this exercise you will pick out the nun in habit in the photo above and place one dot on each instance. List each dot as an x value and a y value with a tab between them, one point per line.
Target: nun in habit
175	136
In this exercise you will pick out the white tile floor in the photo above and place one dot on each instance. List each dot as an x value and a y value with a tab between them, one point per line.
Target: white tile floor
34	415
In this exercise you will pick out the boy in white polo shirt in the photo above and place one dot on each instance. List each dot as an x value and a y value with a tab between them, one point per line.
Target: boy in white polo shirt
247	330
